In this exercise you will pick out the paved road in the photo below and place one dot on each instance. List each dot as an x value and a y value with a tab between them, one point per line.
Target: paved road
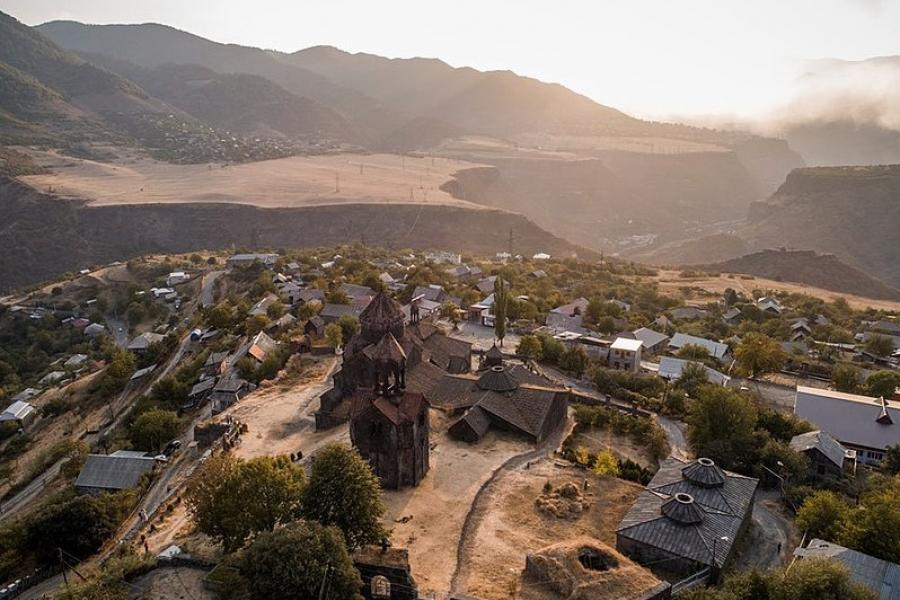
208	288
30	492
678	447
770	530
119	330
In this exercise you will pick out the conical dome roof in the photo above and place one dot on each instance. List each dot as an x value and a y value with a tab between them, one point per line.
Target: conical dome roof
704	473
497	379
387	349
682	509
382	315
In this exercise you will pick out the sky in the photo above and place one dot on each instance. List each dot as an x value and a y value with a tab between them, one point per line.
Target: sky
651	58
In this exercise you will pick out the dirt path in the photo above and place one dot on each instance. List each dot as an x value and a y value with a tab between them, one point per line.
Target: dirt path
675	434
481	503
772	536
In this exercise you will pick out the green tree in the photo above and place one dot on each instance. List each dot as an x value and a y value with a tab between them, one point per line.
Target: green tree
758	354
334	335
349	326
720	426
170	392
344	492
882	384
693	352
880	345
529	347
219	316
450	311
874	525
79	525
501	302
337	296
693	377
822	579
823	515
256	323
574	359
231	500
153	429
891	462
846	378
606	464
294	561
275	310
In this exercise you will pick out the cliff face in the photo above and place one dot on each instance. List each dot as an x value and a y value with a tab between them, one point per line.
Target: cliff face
597	202
852	212
44	236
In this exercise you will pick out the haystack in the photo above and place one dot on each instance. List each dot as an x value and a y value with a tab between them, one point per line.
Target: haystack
585	569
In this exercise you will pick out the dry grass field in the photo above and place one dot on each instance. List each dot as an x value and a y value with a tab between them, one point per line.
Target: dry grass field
288	182
670	283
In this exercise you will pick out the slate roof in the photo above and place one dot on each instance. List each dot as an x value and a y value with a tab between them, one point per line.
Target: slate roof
398	410
821	441
311	294
357	291
336	311
261	345
202	386
649	337
444	349
143	341
382	313
497	379
686	313
113	472
387	349
17	411
880	576
434	293
670	368
716	349
561	322
579	305
720	507
850	418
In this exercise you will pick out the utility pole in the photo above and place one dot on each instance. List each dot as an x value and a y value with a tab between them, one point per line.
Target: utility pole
62	562
337	183
324	581
510	245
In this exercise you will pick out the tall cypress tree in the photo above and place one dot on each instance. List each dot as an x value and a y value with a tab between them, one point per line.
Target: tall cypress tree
500	302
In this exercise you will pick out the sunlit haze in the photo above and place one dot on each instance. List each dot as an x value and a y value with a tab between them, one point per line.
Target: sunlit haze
654	58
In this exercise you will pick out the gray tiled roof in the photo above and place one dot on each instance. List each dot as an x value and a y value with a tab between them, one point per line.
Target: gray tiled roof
716	349
823	442
880	576
113	472
850	418
671	368
649	337
722	510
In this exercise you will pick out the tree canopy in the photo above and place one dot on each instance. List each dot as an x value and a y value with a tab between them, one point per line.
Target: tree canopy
344	492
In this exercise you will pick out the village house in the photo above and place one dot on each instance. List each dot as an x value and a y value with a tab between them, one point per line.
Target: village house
568	317
228	390
142	342
717	350
732	316
689	518
482	312
243	260
688	313
176	278
315	327
653	342
19	411
94	330
827	458
625	355
769	305
121	470
260	309
867	425
671	368
880	576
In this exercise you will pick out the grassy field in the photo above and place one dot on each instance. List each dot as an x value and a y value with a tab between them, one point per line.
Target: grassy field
288	182
670	283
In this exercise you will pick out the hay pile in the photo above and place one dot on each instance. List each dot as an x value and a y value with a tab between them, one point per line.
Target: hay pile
585	569
564	502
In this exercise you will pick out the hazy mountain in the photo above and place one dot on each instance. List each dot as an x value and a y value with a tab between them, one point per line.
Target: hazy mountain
805	266
241	103
46	91
845	113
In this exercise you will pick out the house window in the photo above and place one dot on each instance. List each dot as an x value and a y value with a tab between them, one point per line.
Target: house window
381	587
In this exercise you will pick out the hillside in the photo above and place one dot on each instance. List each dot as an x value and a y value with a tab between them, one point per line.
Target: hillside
240	103
807	267
47	236
852	212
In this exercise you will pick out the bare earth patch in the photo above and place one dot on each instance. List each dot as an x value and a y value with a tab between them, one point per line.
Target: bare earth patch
515	526
285	182
436	510
670	284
